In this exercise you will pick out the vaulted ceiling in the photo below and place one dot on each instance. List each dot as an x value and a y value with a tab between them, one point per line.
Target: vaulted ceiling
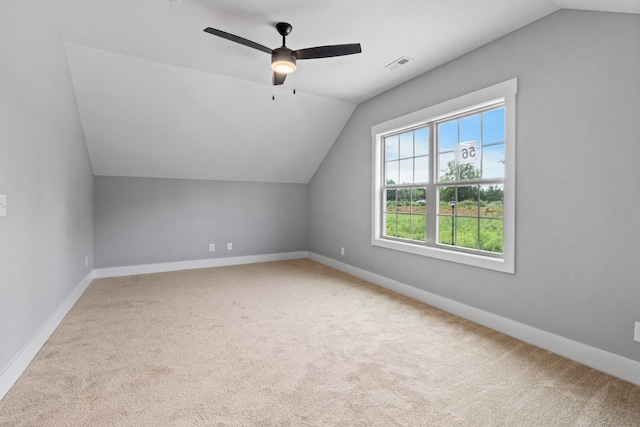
159	97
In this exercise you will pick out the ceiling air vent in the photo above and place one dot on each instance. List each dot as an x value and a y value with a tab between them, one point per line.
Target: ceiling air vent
398	62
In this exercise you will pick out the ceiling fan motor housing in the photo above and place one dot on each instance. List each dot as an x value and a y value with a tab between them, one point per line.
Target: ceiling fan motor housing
283	28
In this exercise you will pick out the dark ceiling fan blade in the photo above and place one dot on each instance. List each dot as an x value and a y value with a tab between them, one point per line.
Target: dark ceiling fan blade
278	78
237	39
328	51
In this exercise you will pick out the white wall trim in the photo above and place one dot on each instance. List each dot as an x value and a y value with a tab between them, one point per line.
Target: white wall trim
499	95
190	265
19	364
613	364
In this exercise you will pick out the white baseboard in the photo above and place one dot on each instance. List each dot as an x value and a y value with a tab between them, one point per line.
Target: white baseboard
190	265
17	366
610	363
618	366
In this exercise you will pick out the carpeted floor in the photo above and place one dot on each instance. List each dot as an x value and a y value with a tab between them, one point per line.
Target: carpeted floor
294	343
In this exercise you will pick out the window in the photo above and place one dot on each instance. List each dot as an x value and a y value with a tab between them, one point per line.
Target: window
444	180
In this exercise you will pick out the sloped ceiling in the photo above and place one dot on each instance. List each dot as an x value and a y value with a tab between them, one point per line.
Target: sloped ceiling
159	97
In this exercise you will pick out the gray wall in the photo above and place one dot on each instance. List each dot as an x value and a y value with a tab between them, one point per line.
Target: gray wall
150	220
578	181
45	173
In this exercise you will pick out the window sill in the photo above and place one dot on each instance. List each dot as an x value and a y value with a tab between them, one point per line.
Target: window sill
504	265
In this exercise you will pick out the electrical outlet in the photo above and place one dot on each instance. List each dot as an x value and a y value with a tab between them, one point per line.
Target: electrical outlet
212	247
636	335
229	246
342	251
86	261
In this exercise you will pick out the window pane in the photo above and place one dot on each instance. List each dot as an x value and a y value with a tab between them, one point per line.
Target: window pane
445	230
493	161
447	135
406	171
446	196
404	226
390	205
391	173
406	145
467	200
404	200
418	227
422	169
491	233
470	128
492	201
418	200
468	171
466	232
390	228
421	141
448	169
493	126
391	148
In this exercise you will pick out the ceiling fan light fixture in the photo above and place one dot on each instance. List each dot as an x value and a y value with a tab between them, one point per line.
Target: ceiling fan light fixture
283	59
283	62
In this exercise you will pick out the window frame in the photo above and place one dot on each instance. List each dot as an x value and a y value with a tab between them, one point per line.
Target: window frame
504	93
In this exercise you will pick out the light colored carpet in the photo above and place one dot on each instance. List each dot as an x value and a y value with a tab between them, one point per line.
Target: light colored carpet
294	343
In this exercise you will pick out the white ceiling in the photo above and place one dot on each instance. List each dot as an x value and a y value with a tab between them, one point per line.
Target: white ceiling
159	97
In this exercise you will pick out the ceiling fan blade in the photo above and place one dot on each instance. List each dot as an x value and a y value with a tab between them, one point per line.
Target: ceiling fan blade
237	39
278	78
328	51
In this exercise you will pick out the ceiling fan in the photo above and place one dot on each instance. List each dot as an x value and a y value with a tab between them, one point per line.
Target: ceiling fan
283	59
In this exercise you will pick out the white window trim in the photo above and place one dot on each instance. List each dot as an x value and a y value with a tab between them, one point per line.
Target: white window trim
505	92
